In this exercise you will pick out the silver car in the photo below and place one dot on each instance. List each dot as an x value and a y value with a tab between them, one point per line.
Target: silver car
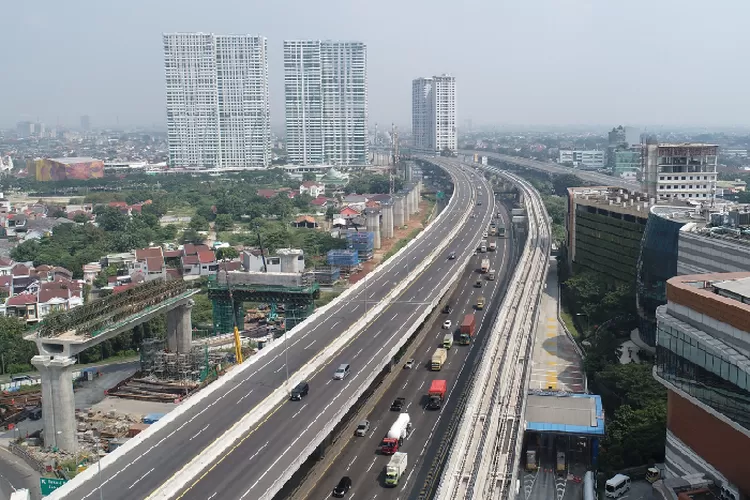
362	428
341	372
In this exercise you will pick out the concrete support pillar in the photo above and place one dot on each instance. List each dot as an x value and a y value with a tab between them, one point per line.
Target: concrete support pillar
409	209
398	211
387	207
180	328
58	403
373	224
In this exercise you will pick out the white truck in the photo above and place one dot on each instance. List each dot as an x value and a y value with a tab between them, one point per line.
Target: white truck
22	494
485	265
396	435
395	469
493	245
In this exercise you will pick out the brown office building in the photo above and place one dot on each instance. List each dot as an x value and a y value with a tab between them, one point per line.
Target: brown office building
703	359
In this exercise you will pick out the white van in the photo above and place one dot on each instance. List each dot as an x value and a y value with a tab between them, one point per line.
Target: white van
617	486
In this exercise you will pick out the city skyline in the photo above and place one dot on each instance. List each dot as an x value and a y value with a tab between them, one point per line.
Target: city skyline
507	76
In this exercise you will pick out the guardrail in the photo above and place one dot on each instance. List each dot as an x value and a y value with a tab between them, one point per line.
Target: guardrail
481	463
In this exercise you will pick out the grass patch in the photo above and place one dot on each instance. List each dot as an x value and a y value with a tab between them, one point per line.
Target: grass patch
325	298
568	320
401	244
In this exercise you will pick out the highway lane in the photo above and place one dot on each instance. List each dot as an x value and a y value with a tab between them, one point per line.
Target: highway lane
554	168
274	444
143	469
359	459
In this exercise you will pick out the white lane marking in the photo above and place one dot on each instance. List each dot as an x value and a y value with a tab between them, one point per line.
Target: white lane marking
329	381
298	411
394	316
243	397
373	294
259	450
407	478
334	325
199	432
405	384
280	368
358	353
311	343
215	493
351	463
368	469
140	478
421	385
379	332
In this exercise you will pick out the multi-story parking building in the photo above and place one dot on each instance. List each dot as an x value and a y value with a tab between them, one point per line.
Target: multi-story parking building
703	359
218	114
325	89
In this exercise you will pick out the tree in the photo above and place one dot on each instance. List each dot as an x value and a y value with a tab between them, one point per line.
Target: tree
223	222
309	176
227	253
330	213
80	218
111	219
199	223
16	352
190	235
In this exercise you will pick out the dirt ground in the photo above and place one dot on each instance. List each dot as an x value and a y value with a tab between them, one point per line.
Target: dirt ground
398	234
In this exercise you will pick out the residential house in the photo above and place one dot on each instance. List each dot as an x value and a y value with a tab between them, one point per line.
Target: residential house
149	263
314	189
198	260
42	298
356	201
91	271
306	221
321	202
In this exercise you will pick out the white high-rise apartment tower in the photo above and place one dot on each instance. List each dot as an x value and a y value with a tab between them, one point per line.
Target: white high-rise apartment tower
434	113
218	113
325	88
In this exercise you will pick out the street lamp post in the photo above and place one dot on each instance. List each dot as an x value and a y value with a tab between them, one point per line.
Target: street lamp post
587	321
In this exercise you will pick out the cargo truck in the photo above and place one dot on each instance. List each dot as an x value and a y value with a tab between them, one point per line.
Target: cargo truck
437	391
493	245
531	464
438	359
560	461
447	341
396	435
485	265
466	331
395	469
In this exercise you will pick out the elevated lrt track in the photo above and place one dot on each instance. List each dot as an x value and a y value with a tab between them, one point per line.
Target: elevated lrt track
482	462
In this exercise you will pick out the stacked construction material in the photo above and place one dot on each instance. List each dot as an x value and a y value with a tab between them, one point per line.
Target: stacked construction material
341	258
363	242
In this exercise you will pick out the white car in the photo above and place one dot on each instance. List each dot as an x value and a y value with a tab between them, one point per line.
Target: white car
484	234
447	324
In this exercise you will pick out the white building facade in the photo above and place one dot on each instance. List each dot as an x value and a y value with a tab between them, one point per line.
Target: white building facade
685	171
434	113
325	89
585	160
218	113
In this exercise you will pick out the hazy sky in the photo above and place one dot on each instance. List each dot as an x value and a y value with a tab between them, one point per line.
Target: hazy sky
672	62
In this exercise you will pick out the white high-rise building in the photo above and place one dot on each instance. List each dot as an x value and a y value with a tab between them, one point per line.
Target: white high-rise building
434	113
218	113
325	88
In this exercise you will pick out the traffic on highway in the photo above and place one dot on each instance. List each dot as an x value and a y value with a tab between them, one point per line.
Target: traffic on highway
420	392
179	450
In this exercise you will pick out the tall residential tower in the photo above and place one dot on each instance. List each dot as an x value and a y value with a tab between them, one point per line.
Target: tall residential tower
325	88
434	113
217	100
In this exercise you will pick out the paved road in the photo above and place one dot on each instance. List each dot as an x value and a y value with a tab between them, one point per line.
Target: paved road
555	362
554	168
145	467
15	474
359	459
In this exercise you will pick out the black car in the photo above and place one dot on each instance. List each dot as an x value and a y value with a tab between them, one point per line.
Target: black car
343	487
398	404
447	309
300	391
451	255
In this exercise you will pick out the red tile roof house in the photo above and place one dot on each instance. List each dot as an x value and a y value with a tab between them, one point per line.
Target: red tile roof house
149	262
198	260
44	298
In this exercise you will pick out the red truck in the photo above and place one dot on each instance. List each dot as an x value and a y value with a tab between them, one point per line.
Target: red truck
467	330
437	394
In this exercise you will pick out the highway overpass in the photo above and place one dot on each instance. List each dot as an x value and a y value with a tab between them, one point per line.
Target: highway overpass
596	178
241	438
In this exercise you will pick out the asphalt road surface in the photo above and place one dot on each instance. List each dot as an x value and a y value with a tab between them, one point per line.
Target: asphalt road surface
145	467
360	459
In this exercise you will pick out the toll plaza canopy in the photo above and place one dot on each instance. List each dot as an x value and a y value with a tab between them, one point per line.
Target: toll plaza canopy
564	413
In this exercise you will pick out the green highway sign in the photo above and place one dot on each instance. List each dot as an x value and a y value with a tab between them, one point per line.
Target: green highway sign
440	195
50	484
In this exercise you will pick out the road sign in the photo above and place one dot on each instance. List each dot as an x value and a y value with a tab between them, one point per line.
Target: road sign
50	484
440	195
